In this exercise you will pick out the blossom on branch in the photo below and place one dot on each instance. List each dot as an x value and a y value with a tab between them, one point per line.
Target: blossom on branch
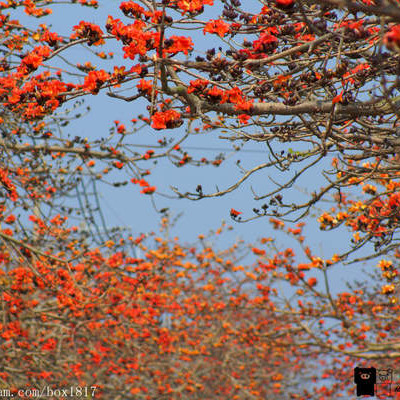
166	119
218	26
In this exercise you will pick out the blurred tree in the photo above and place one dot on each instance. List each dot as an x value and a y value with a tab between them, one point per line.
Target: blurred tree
314	82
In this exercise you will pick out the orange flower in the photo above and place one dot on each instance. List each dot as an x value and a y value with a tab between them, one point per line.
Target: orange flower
145	86
312	282
178	44
166	120
243	118
338	98
266	44
198	85
94	80
34	59
392	38
235	213
118	164
129	8
258	252
285	3
193	6
218	26
148	190
10	219
92	32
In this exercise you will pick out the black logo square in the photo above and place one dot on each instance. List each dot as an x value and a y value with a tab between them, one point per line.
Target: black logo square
365	379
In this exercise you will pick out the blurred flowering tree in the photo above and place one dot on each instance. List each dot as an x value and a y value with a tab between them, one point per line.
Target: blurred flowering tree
316	83
187	321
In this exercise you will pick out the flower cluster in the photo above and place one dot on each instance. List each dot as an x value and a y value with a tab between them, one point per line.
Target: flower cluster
131	9
51	38
177	44
34	59
166	119
392	38
217	26
267	43
94	80
198	86
87	30
192	6
145	87
147	189
6	182
137	41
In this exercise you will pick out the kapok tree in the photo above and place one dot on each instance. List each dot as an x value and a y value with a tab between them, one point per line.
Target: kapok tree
177	323
323	75
183	320
187	322
319	77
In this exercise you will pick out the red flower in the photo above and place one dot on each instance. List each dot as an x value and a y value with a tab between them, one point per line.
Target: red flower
193	6
236	97
338	98
50	344
312	282
235	213
34	59
129	8
266	44
5	181
243	118
145	86
148	190
216	26
10	219
148	154
357	70
118	164
51	38
94	80
134	38
285	3
178	44
258	252
143	183
166	119
92	32
216	95
392	38
45	375
121	129
197	86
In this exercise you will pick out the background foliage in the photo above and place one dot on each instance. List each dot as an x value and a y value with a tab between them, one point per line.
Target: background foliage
312	84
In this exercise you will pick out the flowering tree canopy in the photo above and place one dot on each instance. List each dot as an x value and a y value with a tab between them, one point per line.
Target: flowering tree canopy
321	77
315	83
